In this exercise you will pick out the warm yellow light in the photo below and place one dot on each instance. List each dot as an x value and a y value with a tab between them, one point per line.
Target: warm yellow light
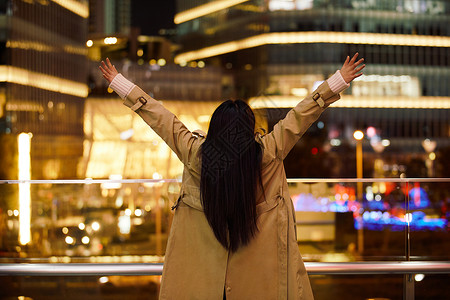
359	102
95	226
110	40
161	62
358	135
89	43
205	9
432	156
69	240
85	240
42	81
299	92
77	7
140	52
24	160
82	226
309	37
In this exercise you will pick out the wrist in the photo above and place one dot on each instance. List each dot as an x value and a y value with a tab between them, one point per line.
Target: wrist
337	83
121	85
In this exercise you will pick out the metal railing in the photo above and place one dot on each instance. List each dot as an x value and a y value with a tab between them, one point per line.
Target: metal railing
289	180
138	269
406	268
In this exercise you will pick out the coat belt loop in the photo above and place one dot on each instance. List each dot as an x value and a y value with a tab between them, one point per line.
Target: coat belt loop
141	102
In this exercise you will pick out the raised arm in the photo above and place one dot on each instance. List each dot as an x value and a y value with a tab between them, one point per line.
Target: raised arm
288	131
182	141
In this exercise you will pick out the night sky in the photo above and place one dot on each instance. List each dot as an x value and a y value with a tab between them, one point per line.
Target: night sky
152	15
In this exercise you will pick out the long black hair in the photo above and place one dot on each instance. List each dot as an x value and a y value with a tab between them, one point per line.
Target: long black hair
231	171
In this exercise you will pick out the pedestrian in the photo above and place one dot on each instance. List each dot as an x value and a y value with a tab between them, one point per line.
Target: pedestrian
233	234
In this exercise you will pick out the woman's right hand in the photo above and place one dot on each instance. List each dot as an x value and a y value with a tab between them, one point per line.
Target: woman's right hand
108	70
350	69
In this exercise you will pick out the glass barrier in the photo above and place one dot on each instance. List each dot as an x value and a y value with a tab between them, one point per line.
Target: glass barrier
128	221
96	221
338	220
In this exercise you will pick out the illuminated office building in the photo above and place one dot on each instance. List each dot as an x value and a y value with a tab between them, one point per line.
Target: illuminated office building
279	50
43	85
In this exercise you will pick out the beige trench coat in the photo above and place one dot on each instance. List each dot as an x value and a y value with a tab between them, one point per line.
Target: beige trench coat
196	265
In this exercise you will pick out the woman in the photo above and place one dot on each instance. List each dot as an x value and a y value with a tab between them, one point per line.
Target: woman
233	234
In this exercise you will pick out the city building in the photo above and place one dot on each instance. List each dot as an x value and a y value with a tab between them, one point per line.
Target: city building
277	51
43	87
117	141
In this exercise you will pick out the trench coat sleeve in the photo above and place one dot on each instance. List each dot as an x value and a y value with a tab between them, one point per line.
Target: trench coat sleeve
289	130
177	136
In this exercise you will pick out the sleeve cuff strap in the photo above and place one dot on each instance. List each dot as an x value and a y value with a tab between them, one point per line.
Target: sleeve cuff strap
337	83
121	86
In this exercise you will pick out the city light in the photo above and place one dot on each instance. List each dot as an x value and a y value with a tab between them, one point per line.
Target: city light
95	226
65	230
69	240
103	279
24	160
81	226
42	81
205	9
310	37
348	101
201	64
161	62
419	277
80	8
335	142
385	142
124	224
85	240
89	43
110	40
358	135
371	131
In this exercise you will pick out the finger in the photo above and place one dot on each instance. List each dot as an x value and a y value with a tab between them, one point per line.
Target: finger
346	60
360	68
354	58
357	75
109	63
105	67
103	70
358	62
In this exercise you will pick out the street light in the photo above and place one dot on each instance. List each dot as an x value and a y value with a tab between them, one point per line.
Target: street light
358	135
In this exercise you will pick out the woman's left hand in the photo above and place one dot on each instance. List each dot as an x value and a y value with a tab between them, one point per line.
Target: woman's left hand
350	69
108	70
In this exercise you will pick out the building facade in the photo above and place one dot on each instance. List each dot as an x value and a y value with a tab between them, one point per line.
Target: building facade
43	85
277	51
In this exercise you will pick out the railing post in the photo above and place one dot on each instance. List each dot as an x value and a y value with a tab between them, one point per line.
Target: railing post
408	287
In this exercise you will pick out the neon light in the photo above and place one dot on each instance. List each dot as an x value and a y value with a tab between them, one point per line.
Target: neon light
205	9
81	9
315	37
42	81
360	102
24	146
